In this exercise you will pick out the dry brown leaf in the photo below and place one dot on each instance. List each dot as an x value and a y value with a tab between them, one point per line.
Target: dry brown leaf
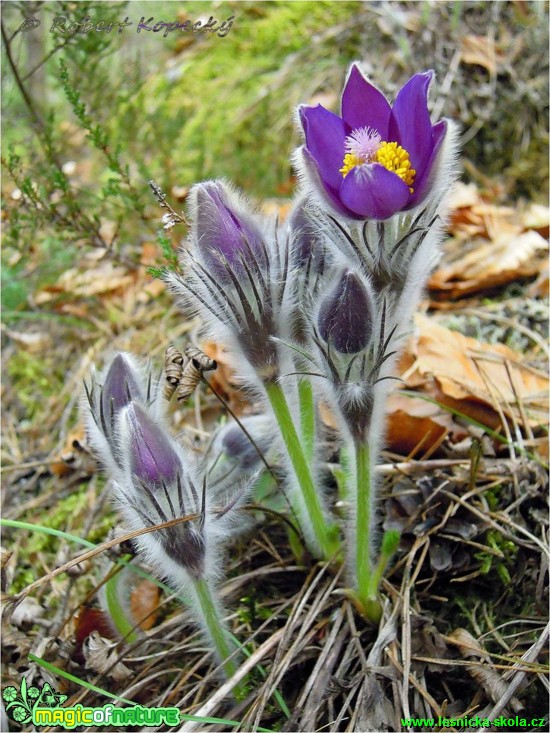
463	372
481	51
149	254
507	258
416	426
104	277
223	380
144	602
34	343
101	656
513	250
537	217
26	613
463	196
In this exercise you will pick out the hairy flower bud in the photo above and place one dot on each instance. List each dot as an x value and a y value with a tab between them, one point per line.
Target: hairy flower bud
120	387
346	315
237	445
152	457
108	393
225	236
306	239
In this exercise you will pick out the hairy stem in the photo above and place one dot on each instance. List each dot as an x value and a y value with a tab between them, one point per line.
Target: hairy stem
217	631
363	498
307	416
313	519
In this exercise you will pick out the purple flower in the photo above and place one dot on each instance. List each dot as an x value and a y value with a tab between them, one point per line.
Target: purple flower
153	459
346	315
226	237
374	160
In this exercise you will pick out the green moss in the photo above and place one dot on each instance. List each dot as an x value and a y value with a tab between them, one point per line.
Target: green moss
501	565
62	517
236	92
35	379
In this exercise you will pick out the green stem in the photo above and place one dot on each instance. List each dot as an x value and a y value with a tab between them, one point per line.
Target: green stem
217	631
118	613
313	517
307	416
363	519
390	543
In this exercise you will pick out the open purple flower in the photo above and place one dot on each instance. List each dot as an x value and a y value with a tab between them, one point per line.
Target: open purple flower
375	160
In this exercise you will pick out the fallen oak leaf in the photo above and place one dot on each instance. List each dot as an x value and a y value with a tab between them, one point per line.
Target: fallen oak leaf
511	257
467	372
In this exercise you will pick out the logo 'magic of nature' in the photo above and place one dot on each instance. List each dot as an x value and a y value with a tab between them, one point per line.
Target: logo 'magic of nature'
42	707
20	704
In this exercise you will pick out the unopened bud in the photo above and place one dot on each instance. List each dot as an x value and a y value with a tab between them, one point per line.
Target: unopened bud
238	445
153	458
225	236
305	238
346	315
120	387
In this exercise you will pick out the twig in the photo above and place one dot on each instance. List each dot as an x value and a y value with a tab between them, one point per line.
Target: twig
530	656
172	217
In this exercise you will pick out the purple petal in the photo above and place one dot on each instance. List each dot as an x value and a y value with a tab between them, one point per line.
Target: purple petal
332	194
410	123
325	140
363	105
424	182
152	456
374	192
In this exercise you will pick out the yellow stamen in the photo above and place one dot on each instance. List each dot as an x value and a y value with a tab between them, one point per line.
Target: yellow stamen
396	159
391	155
350	161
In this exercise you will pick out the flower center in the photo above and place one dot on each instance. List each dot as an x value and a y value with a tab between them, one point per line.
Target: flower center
365	146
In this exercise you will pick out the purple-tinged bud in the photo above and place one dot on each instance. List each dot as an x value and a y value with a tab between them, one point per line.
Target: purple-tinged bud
305	238
346	315
153	459
119	388
237	445
225	234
